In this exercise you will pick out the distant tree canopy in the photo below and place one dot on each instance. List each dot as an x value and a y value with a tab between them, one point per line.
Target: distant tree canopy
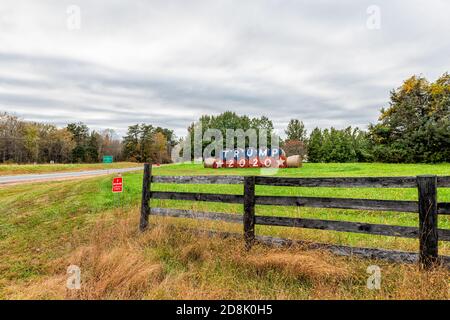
231	120
91	146
145	143
414	128
416	125
333	145
29	142
296	130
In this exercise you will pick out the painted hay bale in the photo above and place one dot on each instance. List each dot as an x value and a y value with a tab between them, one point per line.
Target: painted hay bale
242	163
231	163
294	161
209	162
282	162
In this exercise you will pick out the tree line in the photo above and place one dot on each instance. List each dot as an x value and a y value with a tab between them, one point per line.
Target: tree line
32	142
415	127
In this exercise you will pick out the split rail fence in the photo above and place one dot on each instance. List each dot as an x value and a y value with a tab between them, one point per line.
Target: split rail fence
427	208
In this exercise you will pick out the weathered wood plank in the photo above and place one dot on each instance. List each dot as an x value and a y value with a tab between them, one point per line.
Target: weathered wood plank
443	181
199	179
177	213
249	211
209	197
146	194
444	208
345	226
344	182
339	203
428	220
368	253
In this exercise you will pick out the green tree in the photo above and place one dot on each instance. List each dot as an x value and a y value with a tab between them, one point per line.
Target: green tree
147	132
93	146
296	130
315	146
333	145
233	121
131	143
80	133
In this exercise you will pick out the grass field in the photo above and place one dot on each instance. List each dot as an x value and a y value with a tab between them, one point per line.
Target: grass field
47	226
14	169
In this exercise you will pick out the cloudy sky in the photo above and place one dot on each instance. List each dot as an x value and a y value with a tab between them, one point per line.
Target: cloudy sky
329	63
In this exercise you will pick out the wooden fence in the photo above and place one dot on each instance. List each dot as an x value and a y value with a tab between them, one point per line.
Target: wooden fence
426	207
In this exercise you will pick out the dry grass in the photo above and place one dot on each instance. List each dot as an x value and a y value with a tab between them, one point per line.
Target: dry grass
307	265
118	262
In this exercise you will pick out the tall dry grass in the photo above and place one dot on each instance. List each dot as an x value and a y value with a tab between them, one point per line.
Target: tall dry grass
167	262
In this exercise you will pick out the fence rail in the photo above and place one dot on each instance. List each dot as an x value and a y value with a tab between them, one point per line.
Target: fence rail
443	208
356	227
341	182
426	207
339	203
209	197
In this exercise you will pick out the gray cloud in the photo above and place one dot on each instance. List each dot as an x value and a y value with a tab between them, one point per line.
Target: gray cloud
168	62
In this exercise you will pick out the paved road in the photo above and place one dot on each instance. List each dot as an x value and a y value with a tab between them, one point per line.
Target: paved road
25	178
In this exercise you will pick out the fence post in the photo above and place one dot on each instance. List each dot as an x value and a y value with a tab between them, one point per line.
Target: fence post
146	193
249	211
428	220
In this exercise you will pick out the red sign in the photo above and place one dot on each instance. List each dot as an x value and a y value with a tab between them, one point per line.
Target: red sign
117	185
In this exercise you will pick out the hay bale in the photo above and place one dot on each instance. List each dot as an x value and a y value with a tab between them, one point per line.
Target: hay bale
294	161
209	162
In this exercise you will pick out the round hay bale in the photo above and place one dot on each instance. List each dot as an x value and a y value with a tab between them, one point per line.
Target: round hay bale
294	161
209	162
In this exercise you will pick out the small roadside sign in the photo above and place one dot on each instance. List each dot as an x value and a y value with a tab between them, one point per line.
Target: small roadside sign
108	159
117	185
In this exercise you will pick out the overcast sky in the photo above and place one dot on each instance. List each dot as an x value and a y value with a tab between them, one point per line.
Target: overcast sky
329	63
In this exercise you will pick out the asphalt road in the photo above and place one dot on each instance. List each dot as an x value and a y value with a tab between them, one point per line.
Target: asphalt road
25	178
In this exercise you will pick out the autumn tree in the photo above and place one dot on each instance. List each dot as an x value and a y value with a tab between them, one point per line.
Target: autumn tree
160	148
111	144
416	125
145	143
25	142
294	147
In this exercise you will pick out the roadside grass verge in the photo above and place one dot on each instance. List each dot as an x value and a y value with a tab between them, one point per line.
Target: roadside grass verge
16	169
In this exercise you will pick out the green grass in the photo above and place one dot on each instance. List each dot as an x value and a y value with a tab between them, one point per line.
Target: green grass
38	219
15	169
318	170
